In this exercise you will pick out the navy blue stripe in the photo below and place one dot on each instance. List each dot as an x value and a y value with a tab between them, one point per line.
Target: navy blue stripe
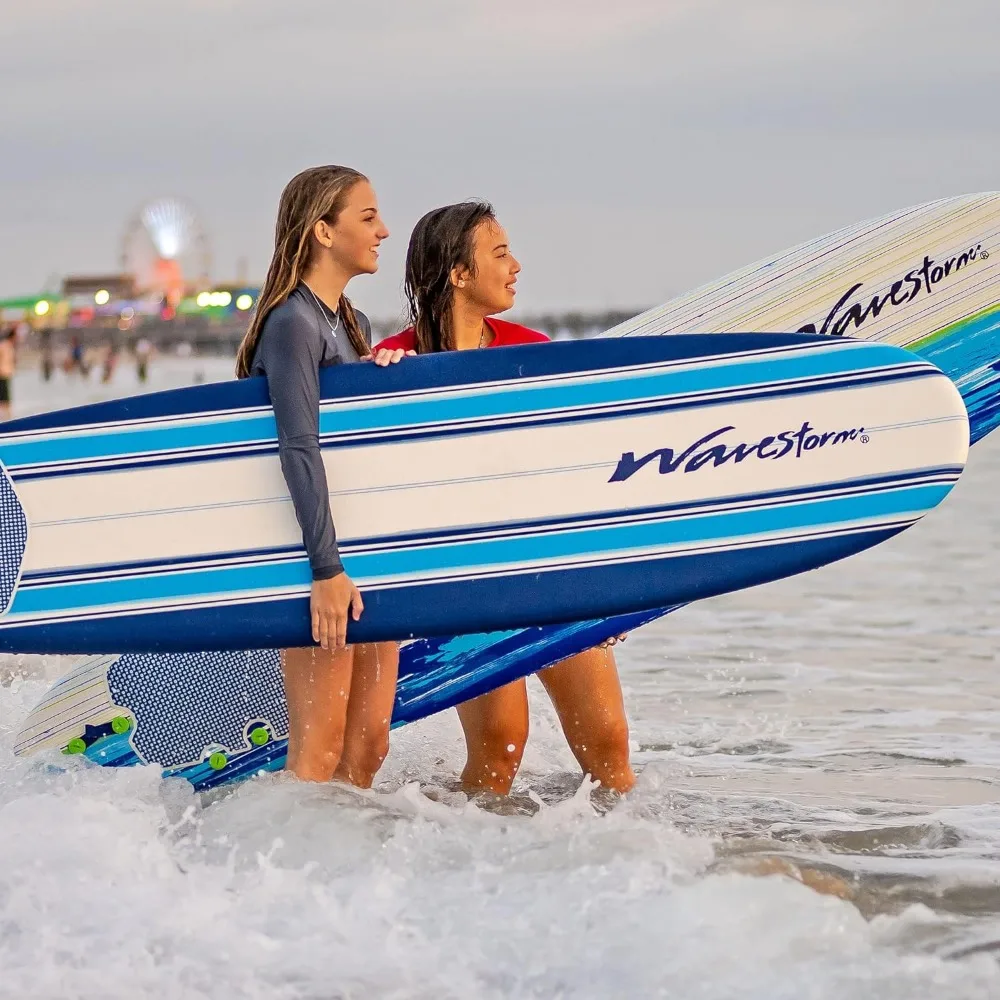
454	607
87	616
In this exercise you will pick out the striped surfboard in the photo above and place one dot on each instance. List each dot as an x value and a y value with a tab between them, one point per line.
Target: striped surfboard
945	307
474	490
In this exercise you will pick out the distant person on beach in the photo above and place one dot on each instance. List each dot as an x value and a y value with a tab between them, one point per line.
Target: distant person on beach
110	362
8	362
143	350
47	359
76	359
460	273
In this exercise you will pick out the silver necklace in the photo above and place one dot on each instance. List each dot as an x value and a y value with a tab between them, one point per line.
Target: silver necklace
333	327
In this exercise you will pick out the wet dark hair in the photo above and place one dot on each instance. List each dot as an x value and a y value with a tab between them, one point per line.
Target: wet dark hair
441	241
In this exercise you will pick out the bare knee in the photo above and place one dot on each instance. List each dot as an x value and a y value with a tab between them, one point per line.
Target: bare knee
315	756
498	739
494	756
604	754
363	758
610	738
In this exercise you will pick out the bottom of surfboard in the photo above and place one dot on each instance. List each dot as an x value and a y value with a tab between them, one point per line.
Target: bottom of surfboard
492	604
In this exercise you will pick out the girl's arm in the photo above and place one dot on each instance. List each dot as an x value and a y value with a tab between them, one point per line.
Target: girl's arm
290	353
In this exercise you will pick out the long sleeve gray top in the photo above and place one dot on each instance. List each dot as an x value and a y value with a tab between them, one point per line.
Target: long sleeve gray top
295	342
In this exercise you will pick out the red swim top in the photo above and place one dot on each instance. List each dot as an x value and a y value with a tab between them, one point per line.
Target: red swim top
504	335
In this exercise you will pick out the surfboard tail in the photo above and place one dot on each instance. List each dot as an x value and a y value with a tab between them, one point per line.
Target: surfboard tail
13	539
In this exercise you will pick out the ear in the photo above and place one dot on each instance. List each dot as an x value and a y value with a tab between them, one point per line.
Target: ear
458	276
322	234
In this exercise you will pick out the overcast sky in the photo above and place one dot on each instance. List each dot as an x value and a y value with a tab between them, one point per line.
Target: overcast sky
632	148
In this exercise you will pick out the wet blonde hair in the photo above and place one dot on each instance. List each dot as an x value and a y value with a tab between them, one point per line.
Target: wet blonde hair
318	193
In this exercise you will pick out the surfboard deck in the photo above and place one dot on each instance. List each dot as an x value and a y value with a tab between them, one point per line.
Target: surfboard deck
473	490
955	322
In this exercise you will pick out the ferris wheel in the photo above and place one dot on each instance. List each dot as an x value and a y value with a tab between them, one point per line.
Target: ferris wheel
165	244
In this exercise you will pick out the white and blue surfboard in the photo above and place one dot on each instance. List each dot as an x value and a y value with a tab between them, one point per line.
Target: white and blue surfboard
471	490
926	278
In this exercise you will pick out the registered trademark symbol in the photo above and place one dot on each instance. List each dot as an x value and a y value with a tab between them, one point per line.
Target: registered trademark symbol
864	439
985	255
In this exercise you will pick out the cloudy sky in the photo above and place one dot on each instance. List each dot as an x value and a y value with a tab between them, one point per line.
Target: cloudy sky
633	148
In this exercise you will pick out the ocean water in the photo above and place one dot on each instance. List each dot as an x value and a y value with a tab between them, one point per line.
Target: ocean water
817	815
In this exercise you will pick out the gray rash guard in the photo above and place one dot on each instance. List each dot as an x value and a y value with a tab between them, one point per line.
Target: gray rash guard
295	342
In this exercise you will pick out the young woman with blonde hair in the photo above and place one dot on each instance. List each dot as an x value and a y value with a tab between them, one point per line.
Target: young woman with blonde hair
328	231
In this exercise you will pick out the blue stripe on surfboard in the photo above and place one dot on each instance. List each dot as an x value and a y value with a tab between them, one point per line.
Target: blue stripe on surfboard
437	673
637	561
967	355
436	409
116	751
163	590
382	543
473	605
433	372
203	777
257	448
371	400
130	450
469	557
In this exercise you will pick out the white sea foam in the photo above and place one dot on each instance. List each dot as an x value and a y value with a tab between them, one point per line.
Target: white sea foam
838	729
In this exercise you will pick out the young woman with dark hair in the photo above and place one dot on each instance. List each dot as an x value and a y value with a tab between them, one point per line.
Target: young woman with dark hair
460	273
328	231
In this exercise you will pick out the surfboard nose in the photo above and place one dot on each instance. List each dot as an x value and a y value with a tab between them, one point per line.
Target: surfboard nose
13	538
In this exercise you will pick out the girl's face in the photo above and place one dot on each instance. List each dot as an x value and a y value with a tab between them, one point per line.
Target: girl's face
354	241
490	285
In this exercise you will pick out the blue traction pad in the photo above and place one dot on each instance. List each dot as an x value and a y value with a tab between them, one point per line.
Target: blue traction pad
187	703
13	538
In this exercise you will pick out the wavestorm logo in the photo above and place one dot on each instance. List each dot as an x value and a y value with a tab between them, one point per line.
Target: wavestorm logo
916	282
709	450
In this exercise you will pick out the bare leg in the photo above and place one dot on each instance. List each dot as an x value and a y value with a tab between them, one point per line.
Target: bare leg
317	687
587	696
369	712
496	730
